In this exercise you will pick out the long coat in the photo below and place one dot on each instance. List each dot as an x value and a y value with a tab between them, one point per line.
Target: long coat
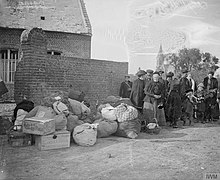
154	88
184	85
137	93
213	84
125	89
211	101
173	106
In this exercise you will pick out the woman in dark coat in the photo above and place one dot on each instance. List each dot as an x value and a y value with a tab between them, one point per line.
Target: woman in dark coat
125	88
155	94
173	106
211	88
184	85
137	91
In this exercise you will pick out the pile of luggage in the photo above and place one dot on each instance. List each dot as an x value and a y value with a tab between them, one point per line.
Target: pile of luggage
64	116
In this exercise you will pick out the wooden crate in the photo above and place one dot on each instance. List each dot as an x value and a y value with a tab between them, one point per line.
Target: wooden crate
16	138
57	140
38	126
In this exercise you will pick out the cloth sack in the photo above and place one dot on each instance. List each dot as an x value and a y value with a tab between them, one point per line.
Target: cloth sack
20	117
85	110
76	106
85	134
129	129
45	112
79	108
60	121
109	113
59	107
106	127
76	95
111	99
52	98
125	112
41	111
123	100
72	122
101	106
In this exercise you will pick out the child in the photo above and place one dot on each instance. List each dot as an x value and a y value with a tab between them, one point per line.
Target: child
200	106
173	106
188	106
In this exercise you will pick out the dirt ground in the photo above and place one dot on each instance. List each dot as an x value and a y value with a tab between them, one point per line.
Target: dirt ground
184	153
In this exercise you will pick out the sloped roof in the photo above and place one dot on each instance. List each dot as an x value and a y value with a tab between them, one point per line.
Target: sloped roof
52	15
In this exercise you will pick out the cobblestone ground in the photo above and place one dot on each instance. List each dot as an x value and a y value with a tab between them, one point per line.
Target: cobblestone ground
185	153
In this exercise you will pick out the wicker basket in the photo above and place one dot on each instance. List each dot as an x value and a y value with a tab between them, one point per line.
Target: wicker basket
155	130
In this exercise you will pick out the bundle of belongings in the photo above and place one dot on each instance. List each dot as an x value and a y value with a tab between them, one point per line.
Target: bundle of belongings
66	116
153	127
118	117
50	123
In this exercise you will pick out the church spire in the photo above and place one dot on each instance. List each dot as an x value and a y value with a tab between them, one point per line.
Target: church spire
160	58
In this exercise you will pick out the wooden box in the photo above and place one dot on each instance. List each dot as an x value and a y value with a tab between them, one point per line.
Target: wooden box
57	140
16	138
38	126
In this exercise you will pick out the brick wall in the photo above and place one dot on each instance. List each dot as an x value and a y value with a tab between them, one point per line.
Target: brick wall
73	45
39	74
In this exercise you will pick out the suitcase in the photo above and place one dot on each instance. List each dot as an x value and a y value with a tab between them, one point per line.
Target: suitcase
56	140
38	126
16	138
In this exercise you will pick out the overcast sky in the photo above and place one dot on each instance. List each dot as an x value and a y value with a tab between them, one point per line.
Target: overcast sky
132	30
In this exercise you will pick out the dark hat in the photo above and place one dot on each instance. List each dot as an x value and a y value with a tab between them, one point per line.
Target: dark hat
189	90
150	71
211	72
184	71
140	73
156	72
160	71
170	74
127	76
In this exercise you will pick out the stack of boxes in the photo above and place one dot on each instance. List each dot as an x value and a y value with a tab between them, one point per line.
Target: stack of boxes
45	136
43	126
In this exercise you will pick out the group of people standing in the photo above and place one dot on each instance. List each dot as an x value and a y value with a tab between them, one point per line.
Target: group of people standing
172	99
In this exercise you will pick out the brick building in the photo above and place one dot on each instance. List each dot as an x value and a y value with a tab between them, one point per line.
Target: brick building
56	54
65	23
